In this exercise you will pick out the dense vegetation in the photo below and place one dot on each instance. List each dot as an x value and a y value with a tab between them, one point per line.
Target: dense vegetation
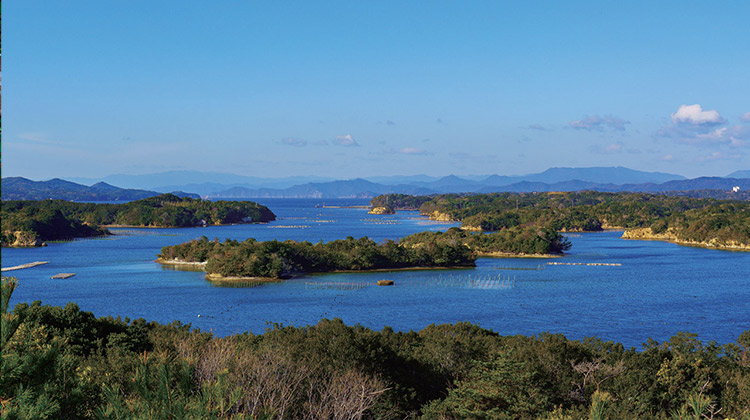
64	363
32	226
515	240
686	218
400	201
275	259
48	219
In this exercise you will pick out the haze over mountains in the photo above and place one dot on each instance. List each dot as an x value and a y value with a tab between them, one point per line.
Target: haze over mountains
217	185
18	188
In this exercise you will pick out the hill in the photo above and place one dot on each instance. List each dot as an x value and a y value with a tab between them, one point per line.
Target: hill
33	222
18	188
740	174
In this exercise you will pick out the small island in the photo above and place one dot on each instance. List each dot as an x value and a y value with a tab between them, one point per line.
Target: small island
273	260
32	223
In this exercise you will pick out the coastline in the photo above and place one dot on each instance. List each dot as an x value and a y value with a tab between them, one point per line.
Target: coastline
239	279
201	266
177	227
646	234
500	254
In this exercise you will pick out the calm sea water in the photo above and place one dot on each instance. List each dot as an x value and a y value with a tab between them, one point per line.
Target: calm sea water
659	290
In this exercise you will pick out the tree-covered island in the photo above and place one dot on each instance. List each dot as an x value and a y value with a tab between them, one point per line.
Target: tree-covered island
278	260
31	223
680	219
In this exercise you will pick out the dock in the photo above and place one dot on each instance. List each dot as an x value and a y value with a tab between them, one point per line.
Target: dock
63	276
22	266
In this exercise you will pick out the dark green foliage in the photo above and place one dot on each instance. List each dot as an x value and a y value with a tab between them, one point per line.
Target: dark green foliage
516	240
58	219
28	226
275	259
689	219
400	201
500	388
63	363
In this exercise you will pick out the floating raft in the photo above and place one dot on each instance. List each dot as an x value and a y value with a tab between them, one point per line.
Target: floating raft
63	276
22	266
597	264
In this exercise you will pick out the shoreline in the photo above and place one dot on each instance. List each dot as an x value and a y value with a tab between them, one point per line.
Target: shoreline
236	279
201	266
500	254
645	234
178	227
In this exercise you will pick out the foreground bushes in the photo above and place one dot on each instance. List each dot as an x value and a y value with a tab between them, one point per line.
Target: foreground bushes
65	363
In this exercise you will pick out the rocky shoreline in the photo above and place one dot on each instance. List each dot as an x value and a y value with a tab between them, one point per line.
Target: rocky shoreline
670	236
515	255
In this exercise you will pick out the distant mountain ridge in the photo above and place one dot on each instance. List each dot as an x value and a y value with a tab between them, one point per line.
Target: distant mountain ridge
18	188
177	180
613	179
359	188
356	188
209	183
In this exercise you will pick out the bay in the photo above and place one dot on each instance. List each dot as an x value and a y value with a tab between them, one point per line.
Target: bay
657	290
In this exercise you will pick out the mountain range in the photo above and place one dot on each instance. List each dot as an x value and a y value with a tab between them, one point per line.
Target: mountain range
360	188
211	183
18	188
216	185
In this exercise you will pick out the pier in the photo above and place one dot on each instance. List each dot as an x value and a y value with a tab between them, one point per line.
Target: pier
22	266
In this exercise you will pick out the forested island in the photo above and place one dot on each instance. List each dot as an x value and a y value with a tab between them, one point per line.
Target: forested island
31	223
278	260
62	362
680	219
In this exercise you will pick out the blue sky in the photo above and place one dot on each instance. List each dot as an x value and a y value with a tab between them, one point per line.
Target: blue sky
351	89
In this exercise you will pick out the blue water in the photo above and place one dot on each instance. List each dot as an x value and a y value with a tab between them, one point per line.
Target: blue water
659	290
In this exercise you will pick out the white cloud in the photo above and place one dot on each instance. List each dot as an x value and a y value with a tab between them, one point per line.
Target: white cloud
720	156
413	151
609	149
695	115
407	151
36	138
745	117
613	148
346	140
599	123
692	125
667	158
733	135
294	142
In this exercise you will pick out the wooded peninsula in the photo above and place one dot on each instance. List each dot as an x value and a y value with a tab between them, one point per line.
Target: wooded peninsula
31	223
705	222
